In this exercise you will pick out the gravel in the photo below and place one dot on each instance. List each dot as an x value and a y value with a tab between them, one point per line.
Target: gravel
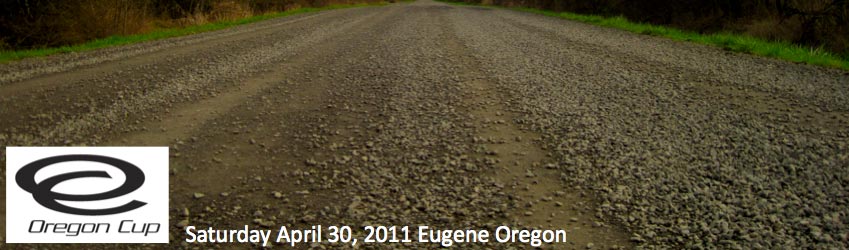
688	146
34	67
462	117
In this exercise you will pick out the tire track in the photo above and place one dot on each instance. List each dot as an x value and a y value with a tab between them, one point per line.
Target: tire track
182	121
546	201
187	85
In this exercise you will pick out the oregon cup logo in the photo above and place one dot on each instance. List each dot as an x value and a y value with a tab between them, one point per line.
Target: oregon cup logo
86	195
43	192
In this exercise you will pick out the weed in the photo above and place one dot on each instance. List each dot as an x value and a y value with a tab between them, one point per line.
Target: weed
161	33
725	40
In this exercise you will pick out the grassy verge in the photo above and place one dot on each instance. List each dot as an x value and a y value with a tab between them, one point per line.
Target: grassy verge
7	56
729	41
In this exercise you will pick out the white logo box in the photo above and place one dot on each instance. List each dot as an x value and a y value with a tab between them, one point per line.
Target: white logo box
79	172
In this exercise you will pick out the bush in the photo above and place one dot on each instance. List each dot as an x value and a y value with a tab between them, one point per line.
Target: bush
28	24
817	23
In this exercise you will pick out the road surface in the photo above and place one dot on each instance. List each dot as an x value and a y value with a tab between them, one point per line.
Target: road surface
461	117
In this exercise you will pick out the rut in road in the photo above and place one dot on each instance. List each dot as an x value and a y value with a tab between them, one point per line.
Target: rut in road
461	117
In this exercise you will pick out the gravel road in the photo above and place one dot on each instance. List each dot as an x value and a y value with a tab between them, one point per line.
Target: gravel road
461	117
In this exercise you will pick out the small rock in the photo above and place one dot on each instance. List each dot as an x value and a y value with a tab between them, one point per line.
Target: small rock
311	162
183	223
308	218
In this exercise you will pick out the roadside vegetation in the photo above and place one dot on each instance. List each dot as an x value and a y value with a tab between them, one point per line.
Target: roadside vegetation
32	28
796	31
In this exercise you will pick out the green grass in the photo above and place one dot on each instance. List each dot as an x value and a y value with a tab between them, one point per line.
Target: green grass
726	40
7	56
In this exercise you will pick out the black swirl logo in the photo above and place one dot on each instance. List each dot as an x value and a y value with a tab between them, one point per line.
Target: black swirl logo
43	192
